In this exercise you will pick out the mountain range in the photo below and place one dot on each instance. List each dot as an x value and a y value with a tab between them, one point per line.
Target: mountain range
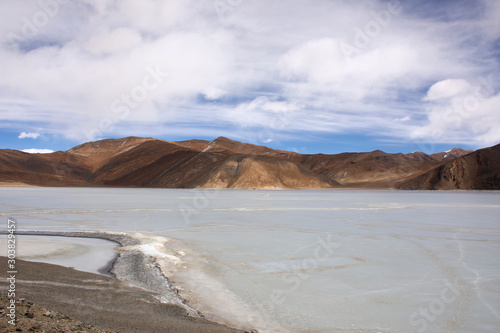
224	163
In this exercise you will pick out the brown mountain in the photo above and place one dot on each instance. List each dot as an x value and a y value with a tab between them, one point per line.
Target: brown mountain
479	170
221	163
56	169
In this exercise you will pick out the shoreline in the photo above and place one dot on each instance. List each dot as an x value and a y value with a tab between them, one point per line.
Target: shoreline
101	301
145	275
148	264
345	187
342	187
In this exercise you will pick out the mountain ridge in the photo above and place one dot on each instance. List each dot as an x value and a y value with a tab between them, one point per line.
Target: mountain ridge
225	163
479	170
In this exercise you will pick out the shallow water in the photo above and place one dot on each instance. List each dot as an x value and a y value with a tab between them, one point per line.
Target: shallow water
303	261
83	254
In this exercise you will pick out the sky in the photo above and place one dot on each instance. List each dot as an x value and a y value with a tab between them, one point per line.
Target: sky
310	76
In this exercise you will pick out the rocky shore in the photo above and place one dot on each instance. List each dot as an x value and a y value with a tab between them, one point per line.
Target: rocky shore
60	299
31	317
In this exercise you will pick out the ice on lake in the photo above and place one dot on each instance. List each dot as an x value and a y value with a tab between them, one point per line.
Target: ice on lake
304	261
84	254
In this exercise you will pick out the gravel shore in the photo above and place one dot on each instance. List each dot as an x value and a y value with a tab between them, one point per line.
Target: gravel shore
34	318
86	302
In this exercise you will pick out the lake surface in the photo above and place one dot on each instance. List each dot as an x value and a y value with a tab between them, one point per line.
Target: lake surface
302	261
84	254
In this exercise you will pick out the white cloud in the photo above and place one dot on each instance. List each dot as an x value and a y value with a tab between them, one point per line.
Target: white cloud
214	93
447	88
282	67
406	118
37	151
119	39
468	118
24	135
265	113
323	67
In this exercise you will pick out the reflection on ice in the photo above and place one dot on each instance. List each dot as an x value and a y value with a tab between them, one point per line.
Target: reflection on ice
84	254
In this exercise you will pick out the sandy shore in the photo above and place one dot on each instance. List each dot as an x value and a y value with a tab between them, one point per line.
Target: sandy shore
103	302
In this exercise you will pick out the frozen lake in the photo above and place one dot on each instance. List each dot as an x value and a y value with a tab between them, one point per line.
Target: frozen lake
84	254
302	261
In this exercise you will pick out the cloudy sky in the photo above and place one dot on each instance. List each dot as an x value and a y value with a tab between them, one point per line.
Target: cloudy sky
305	75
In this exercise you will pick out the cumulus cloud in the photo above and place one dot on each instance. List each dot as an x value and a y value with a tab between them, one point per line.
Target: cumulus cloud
299	65
447	88
321	65
24	135
457	117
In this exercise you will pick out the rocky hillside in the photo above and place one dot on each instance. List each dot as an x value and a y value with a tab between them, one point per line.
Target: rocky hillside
224	163
479	170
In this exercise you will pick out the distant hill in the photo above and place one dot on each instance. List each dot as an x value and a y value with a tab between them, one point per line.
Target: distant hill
479	170
224	163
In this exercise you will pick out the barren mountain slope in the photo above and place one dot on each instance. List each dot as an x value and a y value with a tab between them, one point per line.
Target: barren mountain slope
450	154
224	163
56	169
148	162
165	164
225	145
373	169
479	170
263	172
97	153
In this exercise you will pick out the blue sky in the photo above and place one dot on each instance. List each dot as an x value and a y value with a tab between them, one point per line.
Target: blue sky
304	75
